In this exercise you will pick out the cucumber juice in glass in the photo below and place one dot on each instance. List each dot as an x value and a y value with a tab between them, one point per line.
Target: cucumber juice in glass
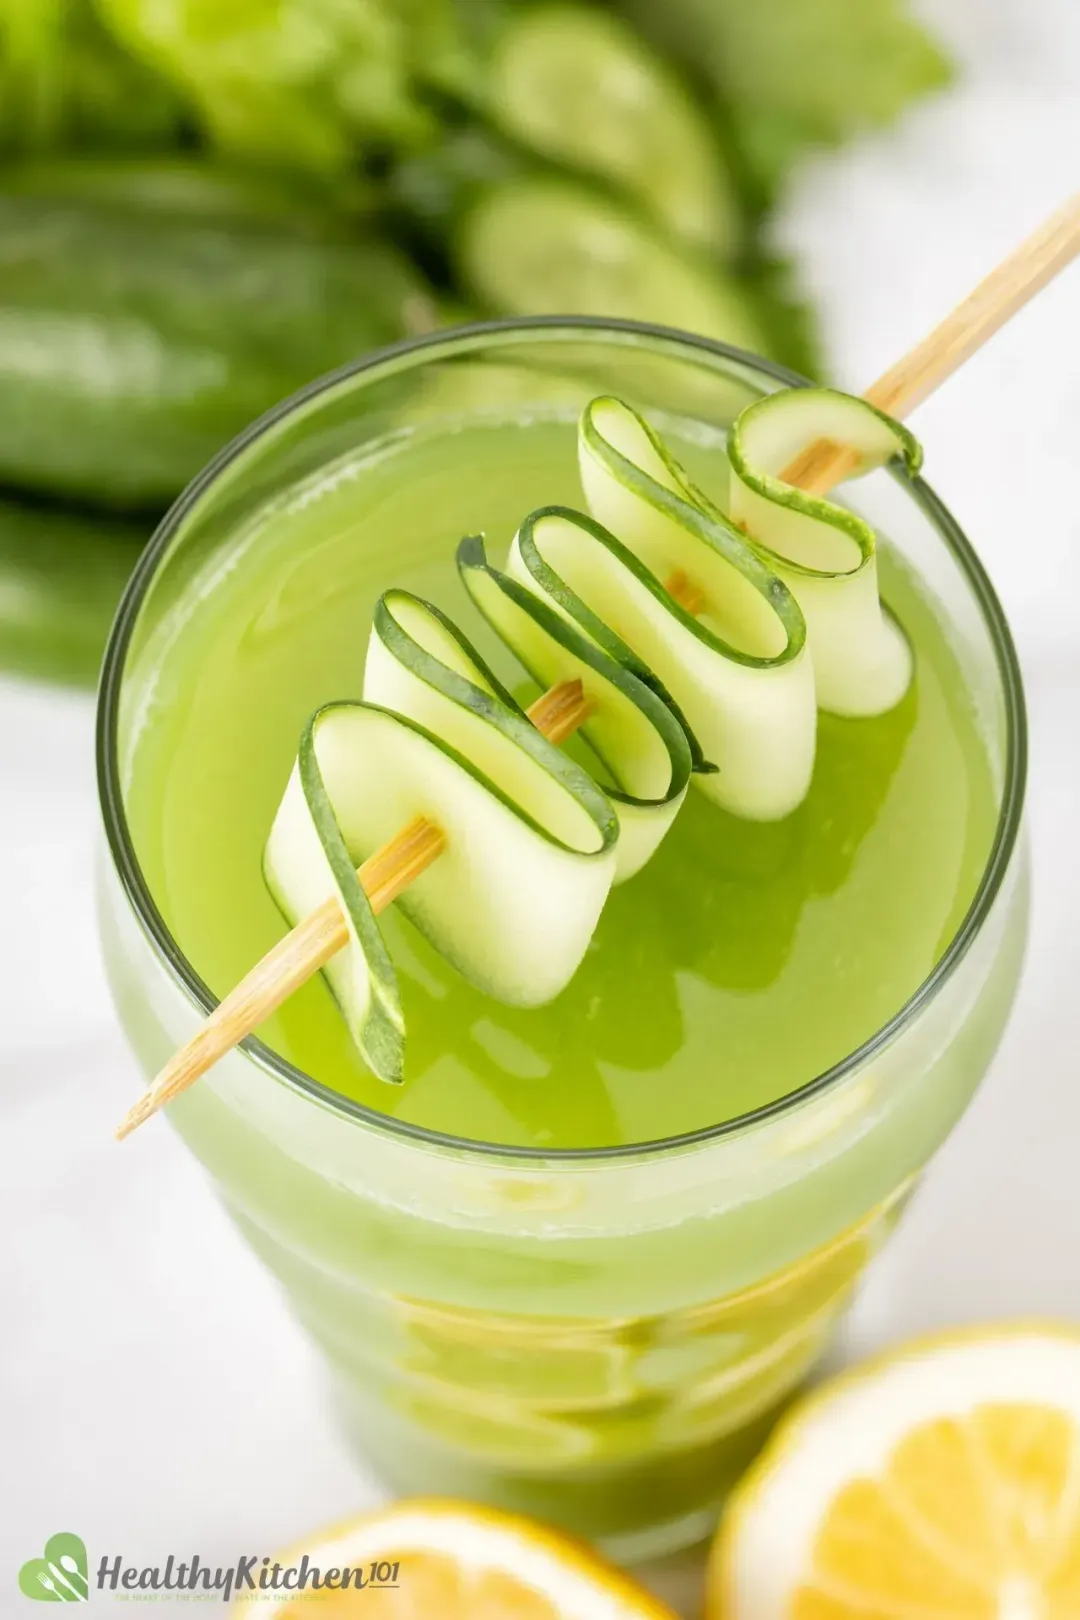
578	1260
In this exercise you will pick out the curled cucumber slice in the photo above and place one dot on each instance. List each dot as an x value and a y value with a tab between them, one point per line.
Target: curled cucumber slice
514	898
639	742
737	668
579	86
704	642
825	553
543	244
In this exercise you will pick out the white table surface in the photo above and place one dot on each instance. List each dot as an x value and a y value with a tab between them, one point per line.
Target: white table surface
154	1396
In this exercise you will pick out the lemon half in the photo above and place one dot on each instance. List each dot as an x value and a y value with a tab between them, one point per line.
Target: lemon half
941	1482
454	1561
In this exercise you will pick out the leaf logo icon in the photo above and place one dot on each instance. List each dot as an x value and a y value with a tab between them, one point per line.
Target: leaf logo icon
61	1575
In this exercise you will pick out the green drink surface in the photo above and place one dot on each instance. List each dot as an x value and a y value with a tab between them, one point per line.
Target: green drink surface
742	962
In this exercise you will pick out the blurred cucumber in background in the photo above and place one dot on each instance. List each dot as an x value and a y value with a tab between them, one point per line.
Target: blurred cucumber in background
206	203
131	349
61	575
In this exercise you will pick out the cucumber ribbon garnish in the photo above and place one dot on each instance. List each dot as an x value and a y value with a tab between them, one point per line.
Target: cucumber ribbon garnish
738	668
825	553
714	680
530	838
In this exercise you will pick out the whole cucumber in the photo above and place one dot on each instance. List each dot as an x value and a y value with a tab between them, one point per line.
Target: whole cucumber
132	347
549	244
61	577
188	187
580	87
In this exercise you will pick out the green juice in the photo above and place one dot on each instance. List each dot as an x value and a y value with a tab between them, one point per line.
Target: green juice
601	1336
744	960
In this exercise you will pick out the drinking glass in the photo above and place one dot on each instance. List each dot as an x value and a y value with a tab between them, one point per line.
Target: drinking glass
602	1336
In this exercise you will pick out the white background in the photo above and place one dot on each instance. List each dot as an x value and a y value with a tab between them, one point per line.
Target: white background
155	1396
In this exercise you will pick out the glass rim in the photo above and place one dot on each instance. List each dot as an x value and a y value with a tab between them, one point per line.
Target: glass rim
463	338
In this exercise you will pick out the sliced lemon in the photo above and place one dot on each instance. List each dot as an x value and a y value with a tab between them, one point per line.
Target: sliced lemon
939	1483
428	1559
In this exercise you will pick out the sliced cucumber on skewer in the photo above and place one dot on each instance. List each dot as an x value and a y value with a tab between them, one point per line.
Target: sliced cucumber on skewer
751	718
825	553
310	855
420	665
738	668
581	88
544	246
684	650
637	738
530	839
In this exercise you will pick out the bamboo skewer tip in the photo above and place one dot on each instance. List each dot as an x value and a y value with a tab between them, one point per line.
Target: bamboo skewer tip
311	944
998	297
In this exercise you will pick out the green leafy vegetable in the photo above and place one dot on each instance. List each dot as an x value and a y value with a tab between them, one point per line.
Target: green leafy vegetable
799	73
295	82
772	285
64	79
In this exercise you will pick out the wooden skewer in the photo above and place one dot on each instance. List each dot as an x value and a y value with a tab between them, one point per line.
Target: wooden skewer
312	943
562	710
930	363
293	960
914	378
685	592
